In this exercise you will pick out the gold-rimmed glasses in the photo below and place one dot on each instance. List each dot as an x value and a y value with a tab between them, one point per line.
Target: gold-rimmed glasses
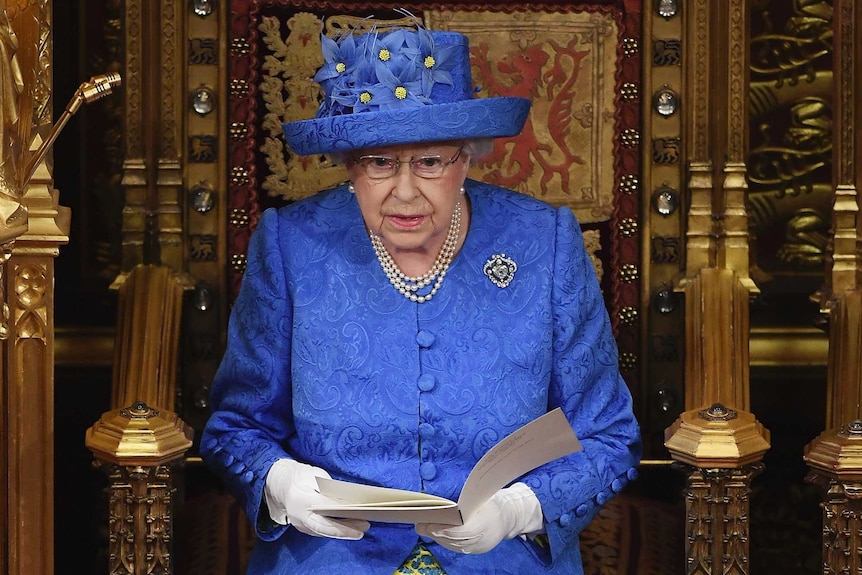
428	167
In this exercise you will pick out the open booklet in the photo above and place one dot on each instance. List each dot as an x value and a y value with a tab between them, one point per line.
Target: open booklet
544	439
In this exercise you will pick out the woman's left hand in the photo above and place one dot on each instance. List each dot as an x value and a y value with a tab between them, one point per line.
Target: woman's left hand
510	512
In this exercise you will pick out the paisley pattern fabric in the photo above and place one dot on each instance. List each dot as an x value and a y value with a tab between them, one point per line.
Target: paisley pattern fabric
477	118
327	363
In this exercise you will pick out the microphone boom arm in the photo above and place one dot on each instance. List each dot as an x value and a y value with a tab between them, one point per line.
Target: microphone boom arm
94	89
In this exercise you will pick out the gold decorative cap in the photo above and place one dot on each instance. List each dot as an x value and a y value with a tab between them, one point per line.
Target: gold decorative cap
717	437
837	453
139	435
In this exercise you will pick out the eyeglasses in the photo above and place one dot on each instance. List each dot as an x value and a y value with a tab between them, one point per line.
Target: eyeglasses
428	167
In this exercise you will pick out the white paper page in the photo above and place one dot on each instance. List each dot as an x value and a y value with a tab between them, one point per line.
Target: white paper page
358	494
536	443
373	503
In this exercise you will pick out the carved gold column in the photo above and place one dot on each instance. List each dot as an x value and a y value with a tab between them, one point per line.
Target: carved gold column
153	275
835	457
840	297
28	247
716	440
721	450
29	373
135	446
152	174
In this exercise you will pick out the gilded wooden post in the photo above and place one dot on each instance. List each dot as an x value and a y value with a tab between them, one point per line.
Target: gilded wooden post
32	228
835	459
841	296
716	440
135	447
720	450
152	174
29	378
835	456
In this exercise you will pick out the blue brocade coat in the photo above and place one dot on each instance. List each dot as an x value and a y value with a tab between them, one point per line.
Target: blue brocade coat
327	363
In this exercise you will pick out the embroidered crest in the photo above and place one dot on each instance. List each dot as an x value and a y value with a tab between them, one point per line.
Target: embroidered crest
500	270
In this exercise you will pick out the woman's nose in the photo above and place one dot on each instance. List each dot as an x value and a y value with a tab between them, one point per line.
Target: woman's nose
404	184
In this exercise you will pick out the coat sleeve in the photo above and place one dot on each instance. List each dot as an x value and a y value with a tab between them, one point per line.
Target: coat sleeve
587	385
250	400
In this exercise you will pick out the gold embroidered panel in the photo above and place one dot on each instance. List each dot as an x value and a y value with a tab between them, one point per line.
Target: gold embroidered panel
564	62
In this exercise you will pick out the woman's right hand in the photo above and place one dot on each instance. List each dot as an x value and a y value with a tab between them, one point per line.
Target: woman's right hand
291	489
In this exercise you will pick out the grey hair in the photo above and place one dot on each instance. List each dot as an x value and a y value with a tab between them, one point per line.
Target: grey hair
337	158
478	148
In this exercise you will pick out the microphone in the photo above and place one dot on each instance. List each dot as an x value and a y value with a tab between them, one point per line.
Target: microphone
93	89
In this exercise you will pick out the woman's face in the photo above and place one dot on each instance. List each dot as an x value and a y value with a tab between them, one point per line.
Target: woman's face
410	212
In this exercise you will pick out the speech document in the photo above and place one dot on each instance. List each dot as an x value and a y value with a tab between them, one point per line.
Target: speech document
544	439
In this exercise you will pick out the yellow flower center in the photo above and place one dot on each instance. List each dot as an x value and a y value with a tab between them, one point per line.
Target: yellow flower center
429	61
340	67
400	92
365	97
384	55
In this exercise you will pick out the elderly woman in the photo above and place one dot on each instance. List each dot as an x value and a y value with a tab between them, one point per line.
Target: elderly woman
391	330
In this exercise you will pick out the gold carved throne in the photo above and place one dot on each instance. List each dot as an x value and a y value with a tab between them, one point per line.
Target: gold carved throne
579	148
211	83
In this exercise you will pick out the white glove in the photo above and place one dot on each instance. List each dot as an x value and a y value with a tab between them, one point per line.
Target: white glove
512	511
291	488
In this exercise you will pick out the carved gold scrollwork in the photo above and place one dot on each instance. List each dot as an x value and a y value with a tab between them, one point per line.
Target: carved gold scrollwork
789	164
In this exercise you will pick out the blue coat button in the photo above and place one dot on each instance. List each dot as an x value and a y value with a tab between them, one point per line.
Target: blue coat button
428	471
425	338
565	519
582	510
247	477
617	485
426	382
632	473
426	431
602	497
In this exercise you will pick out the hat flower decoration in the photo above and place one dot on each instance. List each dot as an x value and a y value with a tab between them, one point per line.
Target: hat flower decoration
398	87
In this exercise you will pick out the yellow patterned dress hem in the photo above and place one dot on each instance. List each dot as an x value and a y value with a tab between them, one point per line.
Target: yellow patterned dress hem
420	562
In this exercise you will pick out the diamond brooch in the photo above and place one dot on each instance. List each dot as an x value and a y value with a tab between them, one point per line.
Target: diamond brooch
500	270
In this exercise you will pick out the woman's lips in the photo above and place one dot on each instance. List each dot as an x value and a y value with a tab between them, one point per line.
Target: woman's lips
405	221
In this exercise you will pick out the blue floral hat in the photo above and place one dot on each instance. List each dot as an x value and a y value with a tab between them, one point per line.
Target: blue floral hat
400	87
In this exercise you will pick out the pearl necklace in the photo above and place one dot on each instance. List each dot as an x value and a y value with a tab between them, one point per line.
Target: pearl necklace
407	285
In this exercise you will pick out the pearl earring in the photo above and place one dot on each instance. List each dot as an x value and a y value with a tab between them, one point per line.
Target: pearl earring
462	190
350	188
